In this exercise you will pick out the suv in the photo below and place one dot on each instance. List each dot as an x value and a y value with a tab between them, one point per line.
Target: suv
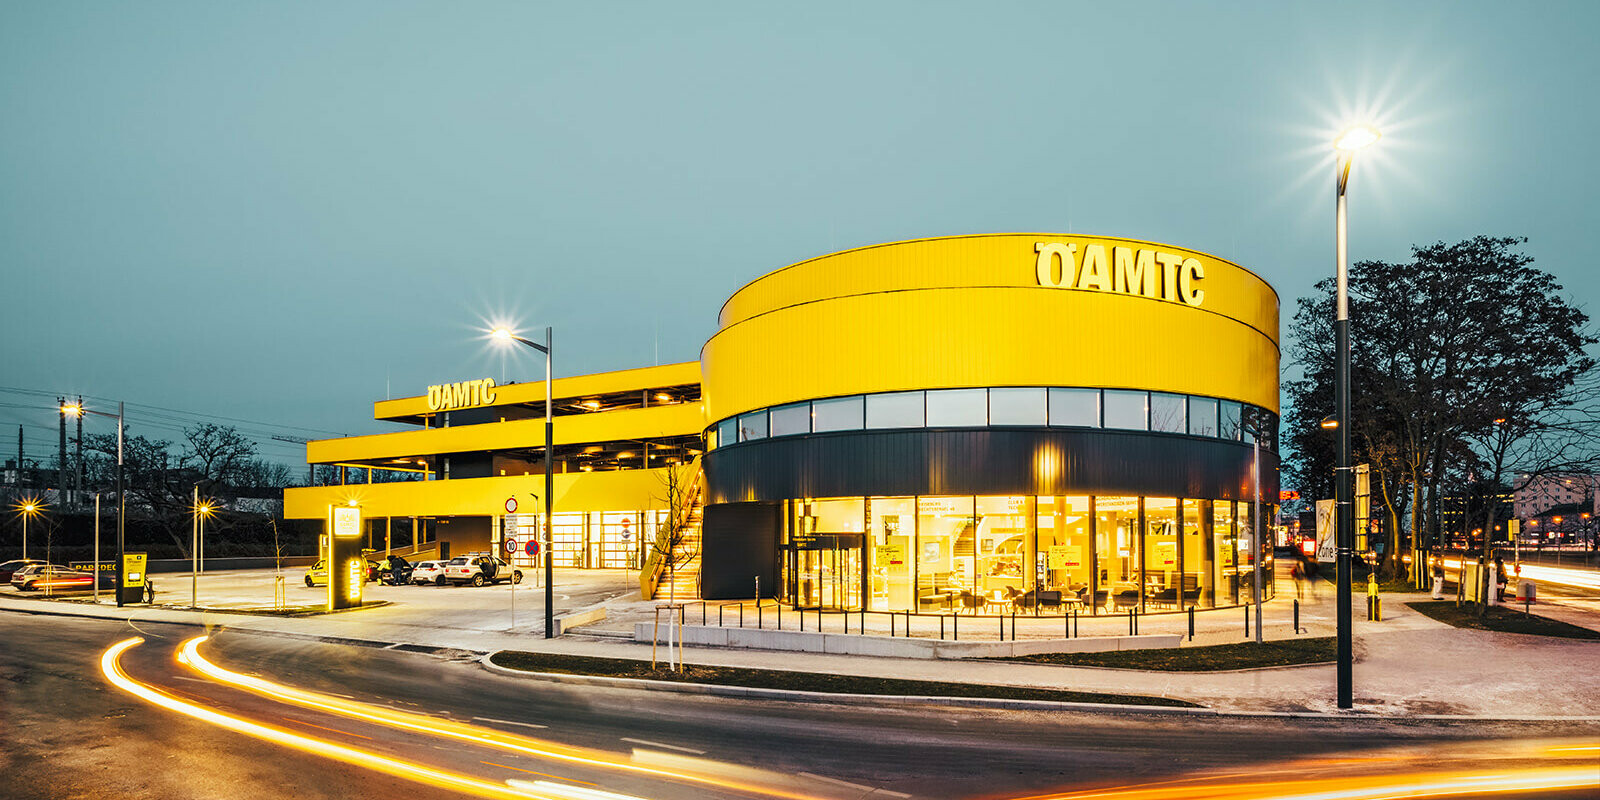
479	569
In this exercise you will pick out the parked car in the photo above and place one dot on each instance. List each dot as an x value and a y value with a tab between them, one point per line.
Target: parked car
10	568
56	577
395	571
428	572
317	575
479	569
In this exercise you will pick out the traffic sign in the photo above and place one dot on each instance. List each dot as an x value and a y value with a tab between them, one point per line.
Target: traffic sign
511	505
533	547
511	545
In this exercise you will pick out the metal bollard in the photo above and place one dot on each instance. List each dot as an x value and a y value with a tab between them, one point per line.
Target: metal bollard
1013	625
719	614
703	613
955	627
780	615
941	627
891	624
1296	616
1246	622
758	614
1191	623
741	615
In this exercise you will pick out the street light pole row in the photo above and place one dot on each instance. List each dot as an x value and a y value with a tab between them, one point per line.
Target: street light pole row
78	410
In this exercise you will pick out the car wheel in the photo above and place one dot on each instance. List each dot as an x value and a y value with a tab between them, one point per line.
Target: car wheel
477	580
309	582
439	581
516	577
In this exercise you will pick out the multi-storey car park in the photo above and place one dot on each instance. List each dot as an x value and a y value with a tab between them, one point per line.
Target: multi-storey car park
970	423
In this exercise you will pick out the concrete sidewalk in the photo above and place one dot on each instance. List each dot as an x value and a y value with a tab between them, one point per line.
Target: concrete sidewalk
1406	665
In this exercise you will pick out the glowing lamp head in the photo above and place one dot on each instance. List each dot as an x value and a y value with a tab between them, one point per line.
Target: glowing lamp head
353	503
1329	424
30	507
72	410
1355	138
501	334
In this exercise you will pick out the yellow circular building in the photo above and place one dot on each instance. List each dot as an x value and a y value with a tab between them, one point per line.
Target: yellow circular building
992	422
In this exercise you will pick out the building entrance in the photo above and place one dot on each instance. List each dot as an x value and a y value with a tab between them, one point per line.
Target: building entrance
827	572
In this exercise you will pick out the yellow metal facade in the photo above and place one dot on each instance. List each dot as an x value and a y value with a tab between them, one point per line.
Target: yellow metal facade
969	311
630	489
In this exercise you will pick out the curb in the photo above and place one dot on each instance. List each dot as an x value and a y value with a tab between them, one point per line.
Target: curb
796	696
834	698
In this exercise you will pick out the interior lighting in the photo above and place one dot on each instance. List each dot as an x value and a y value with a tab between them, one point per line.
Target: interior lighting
590	404
663	397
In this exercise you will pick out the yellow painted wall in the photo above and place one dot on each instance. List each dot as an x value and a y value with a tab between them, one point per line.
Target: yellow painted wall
680	419
968	312
592	491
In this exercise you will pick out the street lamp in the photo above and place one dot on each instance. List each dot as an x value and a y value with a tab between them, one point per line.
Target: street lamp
78	410
505	335
28	508
197	546
1344	485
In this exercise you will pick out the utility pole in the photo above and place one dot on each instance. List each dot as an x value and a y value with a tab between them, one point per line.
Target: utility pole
77	482
20	466
61	458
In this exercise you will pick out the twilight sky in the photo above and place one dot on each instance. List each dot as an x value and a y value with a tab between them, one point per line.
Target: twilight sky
277	213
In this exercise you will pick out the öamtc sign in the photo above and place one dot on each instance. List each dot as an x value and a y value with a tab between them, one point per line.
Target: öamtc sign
1125	270
466	394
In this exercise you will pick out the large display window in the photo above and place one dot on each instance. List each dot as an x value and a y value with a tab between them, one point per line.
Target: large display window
1095	554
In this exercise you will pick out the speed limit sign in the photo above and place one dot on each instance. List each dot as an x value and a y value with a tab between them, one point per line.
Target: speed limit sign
511	545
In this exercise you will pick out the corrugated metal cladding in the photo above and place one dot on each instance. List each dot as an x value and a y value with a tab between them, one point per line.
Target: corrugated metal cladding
740	543
986	462
972	312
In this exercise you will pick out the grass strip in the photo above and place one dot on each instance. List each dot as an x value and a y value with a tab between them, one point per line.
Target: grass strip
1241	655
1500	619
807	681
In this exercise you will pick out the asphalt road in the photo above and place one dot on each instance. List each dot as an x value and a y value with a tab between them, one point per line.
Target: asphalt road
68	732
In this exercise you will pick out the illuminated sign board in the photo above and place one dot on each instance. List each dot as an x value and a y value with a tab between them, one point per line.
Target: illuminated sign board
466	394
1155	274
346	521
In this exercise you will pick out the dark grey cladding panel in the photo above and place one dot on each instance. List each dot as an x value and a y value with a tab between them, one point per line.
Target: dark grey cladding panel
738	543
987	461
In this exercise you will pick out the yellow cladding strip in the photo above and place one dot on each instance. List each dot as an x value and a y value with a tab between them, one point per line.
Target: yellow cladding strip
973	337
579	491
680	419
576	386
1100	263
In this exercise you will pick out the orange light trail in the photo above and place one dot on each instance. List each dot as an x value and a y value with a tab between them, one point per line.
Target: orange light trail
112	668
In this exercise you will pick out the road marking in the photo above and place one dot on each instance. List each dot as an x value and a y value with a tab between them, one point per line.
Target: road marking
531	772
508	722
189	679
648	743
335	730
849	785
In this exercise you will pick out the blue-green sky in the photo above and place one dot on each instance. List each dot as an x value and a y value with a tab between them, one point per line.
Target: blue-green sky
280	212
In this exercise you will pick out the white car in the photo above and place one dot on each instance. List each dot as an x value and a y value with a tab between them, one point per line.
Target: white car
428	572
479	569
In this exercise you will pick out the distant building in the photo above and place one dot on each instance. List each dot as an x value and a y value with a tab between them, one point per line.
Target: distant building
1536	496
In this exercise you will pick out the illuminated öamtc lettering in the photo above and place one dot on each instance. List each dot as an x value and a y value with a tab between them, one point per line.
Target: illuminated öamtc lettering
1171	277
466	394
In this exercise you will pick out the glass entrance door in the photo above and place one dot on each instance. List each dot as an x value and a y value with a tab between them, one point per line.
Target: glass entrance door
827	572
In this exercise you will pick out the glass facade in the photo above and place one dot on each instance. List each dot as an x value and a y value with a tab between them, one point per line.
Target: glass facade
1002	554
1023	406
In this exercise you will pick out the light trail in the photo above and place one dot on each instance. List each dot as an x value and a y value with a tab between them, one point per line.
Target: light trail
189	654
111	667
1315	779
1564	576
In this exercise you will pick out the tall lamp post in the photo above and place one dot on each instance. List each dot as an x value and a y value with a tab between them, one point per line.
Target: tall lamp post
28	508
505	335
78	410
1344	476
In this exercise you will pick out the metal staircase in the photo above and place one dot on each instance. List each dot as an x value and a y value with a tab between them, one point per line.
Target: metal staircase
658	581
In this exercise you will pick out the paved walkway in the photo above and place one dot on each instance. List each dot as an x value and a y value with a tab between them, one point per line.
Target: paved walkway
1407	664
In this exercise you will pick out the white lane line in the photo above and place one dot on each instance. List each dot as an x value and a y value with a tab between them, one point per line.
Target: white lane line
848	785
508	722
648	743
189	679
